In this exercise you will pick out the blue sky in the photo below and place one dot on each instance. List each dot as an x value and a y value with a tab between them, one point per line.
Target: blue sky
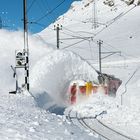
11	12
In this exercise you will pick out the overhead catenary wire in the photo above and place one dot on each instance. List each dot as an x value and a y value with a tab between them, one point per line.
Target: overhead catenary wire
74	32
51	11
95	43
80	37
113	20
124	54
41	7
83	59
28	9
116	19
76	37
95	35
73	44
45	5
90	37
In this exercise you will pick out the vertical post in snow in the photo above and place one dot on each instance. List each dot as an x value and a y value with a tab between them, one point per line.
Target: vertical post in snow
94	18
100	42
26	49
58	28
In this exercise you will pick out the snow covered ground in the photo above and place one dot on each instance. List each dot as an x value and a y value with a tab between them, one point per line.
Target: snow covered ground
21	119
39	115
120	33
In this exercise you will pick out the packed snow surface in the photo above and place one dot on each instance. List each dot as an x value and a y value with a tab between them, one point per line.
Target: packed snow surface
21	119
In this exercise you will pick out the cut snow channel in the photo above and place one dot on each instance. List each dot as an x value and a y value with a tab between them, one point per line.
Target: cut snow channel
53	74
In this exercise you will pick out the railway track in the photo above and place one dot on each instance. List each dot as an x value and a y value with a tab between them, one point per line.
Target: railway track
97	127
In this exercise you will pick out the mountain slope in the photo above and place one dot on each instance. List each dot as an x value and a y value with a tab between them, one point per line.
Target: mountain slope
118	28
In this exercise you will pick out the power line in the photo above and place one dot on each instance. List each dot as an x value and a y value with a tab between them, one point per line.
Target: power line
79	21
73	44
125	54
45	5
43	9
115	19
31	5
37	23
77	31
50	11
76	37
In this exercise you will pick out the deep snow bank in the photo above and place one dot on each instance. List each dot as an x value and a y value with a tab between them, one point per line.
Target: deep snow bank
54	72
51	70
9	42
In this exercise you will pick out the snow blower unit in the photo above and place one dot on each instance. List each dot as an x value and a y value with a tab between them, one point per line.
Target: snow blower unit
80	89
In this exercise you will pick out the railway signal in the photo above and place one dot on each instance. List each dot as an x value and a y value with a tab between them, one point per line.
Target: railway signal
22	57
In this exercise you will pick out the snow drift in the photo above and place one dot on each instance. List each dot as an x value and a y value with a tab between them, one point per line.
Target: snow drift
51	70
54	73
9	42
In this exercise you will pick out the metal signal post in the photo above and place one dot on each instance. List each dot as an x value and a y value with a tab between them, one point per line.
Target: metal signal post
22	56
100	42
58	28
26	48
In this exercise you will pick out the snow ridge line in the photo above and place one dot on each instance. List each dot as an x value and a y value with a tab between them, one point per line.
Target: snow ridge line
81	120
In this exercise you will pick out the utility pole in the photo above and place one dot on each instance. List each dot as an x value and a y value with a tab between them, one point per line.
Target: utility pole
57	28
26	48
22	57
94	18
100	42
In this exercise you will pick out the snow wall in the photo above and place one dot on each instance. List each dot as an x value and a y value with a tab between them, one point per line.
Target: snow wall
9	42
51	71
54	73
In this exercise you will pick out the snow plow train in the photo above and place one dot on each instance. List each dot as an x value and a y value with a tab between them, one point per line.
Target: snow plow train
107	85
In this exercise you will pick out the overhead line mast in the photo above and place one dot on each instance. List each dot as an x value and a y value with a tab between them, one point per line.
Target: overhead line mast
94	18
26	48
22	56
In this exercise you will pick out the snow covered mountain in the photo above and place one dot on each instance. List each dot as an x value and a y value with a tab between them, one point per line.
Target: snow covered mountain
117	25
79	31
31	115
